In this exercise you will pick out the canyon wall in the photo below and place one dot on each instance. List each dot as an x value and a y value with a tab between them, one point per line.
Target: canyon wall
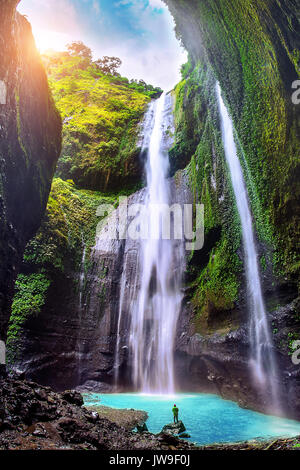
30	139
252	49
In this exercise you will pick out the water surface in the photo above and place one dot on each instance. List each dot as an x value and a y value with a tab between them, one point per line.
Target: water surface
208	418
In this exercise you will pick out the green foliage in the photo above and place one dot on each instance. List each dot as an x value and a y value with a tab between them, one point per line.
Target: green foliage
68	227
291	337
30	296
217	283
69	223
101	115
215	279
263	263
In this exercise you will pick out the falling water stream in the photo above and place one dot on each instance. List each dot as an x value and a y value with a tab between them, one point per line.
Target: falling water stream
156	310
262	361
155	295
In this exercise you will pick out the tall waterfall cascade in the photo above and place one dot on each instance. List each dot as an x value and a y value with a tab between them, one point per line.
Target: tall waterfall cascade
155	313
262	360
153	296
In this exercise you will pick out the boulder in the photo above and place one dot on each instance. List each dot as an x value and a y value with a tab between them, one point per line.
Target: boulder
174	428
73	397
166	438
33	417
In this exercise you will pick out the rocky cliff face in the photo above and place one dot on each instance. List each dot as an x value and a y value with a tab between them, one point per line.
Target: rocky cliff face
73	340
219	363
251	49
30	134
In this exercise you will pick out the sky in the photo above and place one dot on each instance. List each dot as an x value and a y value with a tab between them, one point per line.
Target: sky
140	32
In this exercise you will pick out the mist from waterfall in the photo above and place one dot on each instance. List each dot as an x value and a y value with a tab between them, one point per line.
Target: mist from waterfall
262	360
156	308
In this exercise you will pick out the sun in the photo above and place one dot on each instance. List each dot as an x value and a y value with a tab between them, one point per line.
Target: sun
49	39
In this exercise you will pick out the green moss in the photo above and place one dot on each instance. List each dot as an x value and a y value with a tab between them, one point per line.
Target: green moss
68	225
253	50
101	115
263	263
30	297
215	281
291	338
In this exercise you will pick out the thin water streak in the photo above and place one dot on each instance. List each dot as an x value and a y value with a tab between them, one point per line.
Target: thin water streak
262	361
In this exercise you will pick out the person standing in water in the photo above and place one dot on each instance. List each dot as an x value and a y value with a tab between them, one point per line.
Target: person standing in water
175	413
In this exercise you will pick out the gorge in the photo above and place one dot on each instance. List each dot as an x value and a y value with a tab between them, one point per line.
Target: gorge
126	315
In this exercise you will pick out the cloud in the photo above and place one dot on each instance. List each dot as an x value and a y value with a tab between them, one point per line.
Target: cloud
157	4
156	55
96	7
140	32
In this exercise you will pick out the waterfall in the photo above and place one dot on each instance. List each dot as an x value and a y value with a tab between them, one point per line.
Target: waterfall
262	360
156	308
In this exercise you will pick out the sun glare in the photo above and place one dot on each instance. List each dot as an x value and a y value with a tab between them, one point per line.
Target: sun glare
47	39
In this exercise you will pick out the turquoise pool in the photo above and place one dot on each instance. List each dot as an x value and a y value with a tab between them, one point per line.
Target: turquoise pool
208	418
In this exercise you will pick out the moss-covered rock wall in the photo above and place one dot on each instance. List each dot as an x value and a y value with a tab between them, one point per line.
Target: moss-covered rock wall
214	273
253	49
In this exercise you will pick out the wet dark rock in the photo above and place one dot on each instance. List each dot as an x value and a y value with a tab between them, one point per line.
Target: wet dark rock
94	386
142	428
17	374
3	371
174	428
73	397
39	431
34	417
184	435
219	363
167	438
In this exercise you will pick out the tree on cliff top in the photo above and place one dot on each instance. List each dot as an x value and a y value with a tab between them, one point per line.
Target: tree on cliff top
108	65
79	49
